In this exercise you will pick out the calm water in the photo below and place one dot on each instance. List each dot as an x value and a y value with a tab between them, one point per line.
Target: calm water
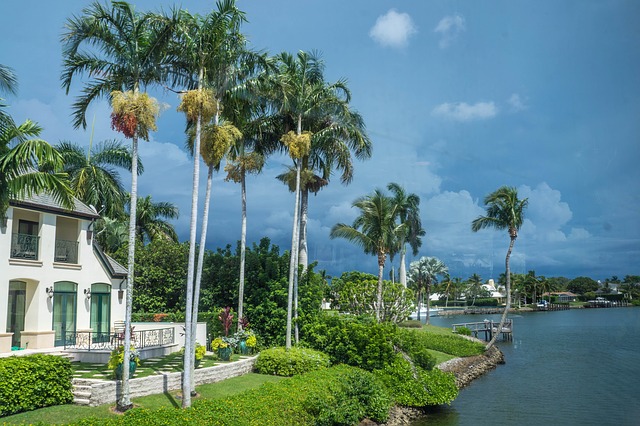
577	367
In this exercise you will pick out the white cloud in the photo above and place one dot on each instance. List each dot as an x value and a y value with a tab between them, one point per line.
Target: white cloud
462	111
449	28
393	29
516	103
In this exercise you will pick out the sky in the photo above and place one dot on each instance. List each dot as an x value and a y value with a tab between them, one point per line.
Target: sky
459	98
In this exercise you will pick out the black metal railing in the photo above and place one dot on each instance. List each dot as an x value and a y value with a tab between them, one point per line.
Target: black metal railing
91	340
66	251
24	246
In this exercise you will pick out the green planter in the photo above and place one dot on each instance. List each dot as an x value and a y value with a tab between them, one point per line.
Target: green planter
132	370
243	348
225	353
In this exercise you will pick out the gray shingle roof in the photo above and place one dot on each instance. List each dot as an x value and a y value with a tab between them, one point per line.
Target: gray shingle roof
45	202
115	269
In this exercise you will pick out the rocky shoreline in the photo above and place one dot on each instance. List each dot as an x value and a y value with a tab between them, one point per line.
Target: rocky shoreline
465	370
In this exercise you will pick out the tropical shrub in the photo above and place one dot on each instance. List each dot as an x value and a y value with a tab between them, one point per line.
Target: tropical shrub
463	331
280	362
34	381
357	341
339	395
416	347
452	344
487	301
410	324
416	387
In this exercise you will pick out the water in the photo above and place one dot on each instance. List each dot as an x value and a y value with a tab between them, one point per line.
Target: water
576	367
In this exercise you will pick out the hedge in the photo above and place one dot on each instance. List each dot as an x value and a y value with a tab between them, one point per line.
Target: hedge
34	381
280	362
339	395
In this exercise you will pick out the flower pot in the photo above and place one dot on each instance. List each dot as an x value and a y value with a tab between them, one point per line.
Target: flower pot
132	370
225	353
243	348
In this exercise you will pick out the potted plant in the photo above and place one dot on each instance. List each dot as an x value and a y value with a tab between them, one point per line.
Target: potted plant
246	341
200	352
224	346
117	359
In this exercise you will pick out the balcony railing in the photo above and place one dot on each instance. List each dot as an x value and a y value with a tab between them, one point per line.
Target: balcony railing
24	246
66	251
92	341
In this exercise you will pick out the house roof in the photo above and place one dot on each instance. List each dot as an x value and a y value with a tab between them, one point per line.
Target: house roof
115	269
46	202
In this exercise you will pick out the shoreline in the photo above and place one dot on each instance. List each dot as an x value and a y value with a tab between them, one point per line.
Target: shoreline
466	370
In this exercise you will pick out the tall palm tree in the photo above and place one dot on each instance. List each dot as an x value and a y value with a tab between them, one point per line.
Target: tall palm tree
423	273
374	230
504	210
151	220
126	52
29	165
93	177
409	213
208	58
299	94
475	287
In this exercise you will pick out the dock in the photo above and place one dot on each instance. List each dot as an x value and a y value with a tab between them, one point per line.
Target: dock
488	328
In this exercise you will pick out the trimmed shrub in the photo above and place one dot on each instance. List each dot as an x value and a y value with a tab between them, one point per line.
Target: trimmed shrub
415	387
410	324
463	331
486	302
357	341
414	344
339	395
452	344
280	362
34	381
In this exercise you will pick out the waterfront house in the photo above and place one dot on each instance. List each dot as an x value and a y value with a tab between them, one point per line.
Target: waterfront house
563	296
54	280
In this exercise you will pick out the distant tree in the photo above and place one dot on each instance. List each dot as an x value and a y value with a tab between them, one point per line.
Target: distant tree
582	285
475	289
151	221
504	210
423	273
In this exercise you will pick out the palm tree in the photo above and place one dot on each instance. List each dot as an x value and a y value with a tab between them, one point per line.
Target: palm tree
151	220
29	165
8	84
93	177
374	230
503	211
475	287
409	213
126	52
423	273
209	56
300	95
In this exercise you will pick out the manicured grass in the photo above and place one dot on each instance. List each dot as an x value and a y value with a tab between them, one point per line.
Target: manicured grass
169	364
65	414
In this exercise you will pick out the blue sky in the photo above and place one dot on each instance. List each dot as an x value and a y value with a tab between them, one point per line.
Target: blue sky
459	98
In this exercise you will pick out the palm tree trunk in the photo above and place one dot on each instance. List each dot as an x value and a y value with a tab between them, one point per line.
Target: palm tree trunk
503	319
196	290
403	268
186	380
419	301
125	401
303	258
243	249
295	240
428	288
381	259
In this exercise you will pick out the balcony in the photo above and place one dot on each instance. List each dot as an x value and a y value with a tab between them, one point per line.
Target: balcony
66	251
25	246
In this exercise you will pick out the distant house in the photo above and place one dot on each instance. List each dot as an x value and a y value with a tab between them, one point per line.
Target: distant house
497	292
54	280
563	296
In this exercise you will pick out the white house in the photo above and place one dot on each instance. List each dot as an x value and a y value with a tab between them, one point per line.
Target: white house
54	281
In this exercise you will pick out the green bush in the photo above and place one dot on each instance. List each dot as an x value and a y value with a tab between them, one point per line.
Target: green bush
357	341
452	344
410	324
280	362
416	387
34	381
486	302
415	344
339	395
463	331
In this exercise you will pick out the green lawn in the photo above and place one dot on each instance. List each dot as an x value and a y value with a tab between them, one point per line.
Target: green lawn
65	414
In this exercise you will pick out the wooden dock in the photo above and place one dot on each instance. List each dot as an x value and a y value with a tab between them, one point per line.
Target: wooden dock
488	328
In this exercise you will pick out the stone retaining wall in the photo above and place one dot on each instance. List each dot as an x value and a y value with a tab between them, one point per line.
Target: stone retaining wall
97	392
